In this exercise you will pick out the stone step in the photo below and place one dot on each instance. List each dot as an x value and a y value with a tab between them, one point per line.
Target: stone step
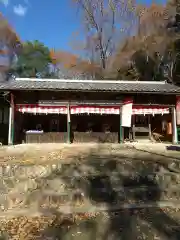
49	198
105	183
114	175
113	195
115	181
114	208
114	178
97	195
121	163
91	210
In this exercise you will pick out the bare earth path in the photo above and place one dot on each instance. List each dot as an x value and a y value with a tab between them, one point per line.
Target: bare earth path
89	191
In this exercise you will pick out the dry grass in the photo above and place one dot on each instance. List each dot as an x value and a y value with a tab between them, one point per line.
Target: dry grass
43	153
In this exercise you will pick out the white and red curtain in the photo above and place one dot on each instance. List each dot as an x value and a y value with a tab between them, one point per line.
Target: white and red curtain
35	109
136	110
152	110
95	110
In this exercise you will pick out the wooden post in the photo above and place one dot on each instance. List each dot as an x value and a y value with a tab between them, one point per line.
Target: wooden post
11	121
174	126
120	127
133	127
149	125
68	124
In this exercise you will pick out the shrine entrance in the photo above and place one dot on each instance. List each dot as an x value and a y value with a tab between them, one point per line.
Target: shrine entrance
95	124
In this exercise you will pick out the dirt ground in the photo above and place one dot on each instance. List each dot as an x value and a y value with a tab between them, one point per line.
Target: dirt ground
105	174
46	153
43	153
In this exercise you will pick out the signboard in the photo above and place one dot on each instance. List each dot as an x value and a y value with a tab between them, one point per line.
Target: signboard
178	110
126	113
52	103
78	102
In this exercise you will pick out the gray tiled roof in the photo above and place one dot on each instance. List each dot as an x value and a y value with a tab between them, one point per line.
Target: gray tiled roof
70	85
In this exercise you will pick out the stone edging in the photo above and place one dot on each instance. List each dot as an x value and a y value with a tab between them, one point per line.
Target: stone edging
66	209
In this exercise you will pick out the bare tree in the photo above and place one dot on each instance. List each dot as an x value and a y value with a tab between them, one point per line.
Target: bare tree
105	22
151	47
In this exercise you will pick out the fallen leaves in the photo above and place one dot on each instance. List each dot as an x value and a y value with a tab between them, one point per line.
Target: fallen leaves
24	228
28	228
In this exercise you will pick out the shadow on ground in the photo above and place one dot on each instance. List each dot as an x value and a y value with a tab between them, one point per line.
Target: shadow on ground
107	174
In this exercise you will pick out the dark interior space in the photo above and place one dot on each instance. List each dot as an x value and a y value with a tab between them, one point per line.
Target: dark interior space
95	128
84	128
4	124
162	125
141	123
95	123
159	127
54	127
47	123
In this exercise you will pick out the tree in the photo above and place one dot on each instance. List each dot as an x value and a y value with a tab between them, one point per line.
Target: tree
72	66
33	61
172	64
10	44
148	52
174	7
105	22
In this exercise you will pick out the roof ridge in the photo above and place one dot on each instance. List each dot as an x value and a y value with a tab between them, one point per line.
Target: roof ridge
89	81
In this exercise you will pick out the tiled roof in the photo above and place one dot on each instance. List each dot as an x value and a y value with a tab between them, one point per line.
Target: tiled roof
87	85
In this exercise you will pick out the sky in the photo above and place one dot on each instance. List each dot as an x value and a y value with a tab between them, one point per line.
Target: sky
53	22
